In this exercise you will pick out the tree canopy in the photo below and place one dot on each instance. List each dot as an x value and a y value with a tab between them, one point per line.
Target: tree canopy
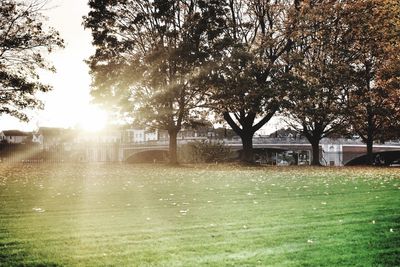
374	98
148	57
24	41
346	71
166	63
322	74
246	83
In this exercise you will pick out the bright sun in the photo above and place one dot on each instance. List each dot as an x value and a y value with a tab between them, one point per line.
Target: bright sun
93	119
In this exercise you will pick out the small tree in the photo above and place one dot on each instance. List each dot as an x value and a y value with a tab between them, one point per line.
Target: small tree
24	40
206	151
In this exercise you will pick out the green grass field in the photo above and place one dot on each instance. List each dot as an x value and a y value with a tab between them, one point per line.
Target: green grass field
202	215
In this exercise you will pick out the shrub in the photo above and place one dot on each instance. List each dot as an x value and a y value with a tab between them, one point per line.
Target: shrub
205	151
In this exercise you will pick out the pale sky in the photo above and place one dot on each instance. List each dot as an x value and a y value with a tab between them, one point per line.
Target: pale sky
68	105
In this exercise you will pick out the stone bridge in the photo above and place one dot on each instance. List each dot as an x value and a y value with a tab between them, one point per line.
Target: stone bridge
128	150
335	154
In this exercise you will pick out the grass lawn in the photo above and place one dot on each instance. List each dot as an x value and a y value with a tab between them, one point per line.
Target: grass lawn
202	215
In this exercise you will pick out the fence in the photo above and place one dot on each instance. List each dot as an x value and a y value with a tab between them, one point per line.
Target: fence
35	153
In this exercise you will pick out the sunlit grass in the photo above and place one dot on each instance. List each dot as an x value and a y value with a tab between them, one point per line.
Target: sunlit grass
127	215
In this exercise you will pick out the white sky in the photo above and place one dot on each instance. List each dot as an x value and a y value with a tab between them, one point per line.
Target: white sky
68	105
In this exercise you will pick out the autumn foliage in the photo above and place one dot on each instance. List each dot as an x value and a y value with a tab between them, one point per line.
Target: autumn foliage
331	66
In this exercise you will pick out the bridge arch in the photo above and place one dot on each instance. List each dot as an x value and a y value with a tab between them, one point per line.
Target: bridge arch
383	158
148	156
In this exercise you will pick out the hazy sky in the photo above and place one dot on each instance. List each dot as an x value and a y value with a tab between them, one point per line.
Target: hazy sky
69	103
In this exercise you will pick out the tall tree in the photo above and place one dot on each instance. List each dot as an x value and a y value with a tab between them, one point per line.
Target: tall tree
149	54
388	77
388	72
245	81
322	75
376	35
24	40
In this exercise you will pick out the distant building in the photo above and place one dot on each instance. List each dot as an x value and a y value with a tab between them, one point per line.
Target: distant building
15	137
2	137
101	146
50	137
332	154
203	132
194	134
225	133
162	135
135	135
104	136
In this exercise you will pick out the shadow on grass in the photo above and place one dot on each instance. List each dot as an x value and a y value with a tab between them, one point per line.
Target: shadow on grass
389	248
12	253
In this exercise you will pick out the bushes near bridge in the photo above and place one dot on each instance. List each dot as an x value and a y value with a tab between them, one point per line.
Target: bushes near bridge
205	152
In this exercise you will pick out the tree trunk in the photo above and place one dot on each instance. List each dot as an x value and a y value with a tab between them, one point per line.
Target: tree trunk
247	153
315	153
247	130
173	144
370	156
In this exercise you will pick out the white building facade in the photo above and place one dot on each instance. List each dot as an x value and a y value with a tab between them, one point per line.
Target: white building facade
332	155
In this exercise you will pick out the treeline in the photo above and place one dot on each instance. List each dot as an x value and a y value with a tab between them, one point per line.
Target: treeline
331	67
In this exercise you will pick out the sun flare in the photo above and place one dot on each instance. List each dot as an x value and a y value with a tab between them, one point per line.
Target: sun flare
93	119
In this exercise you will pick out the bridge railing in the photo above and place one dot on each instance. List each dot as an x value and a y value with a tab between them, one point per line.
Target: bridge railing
256	140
